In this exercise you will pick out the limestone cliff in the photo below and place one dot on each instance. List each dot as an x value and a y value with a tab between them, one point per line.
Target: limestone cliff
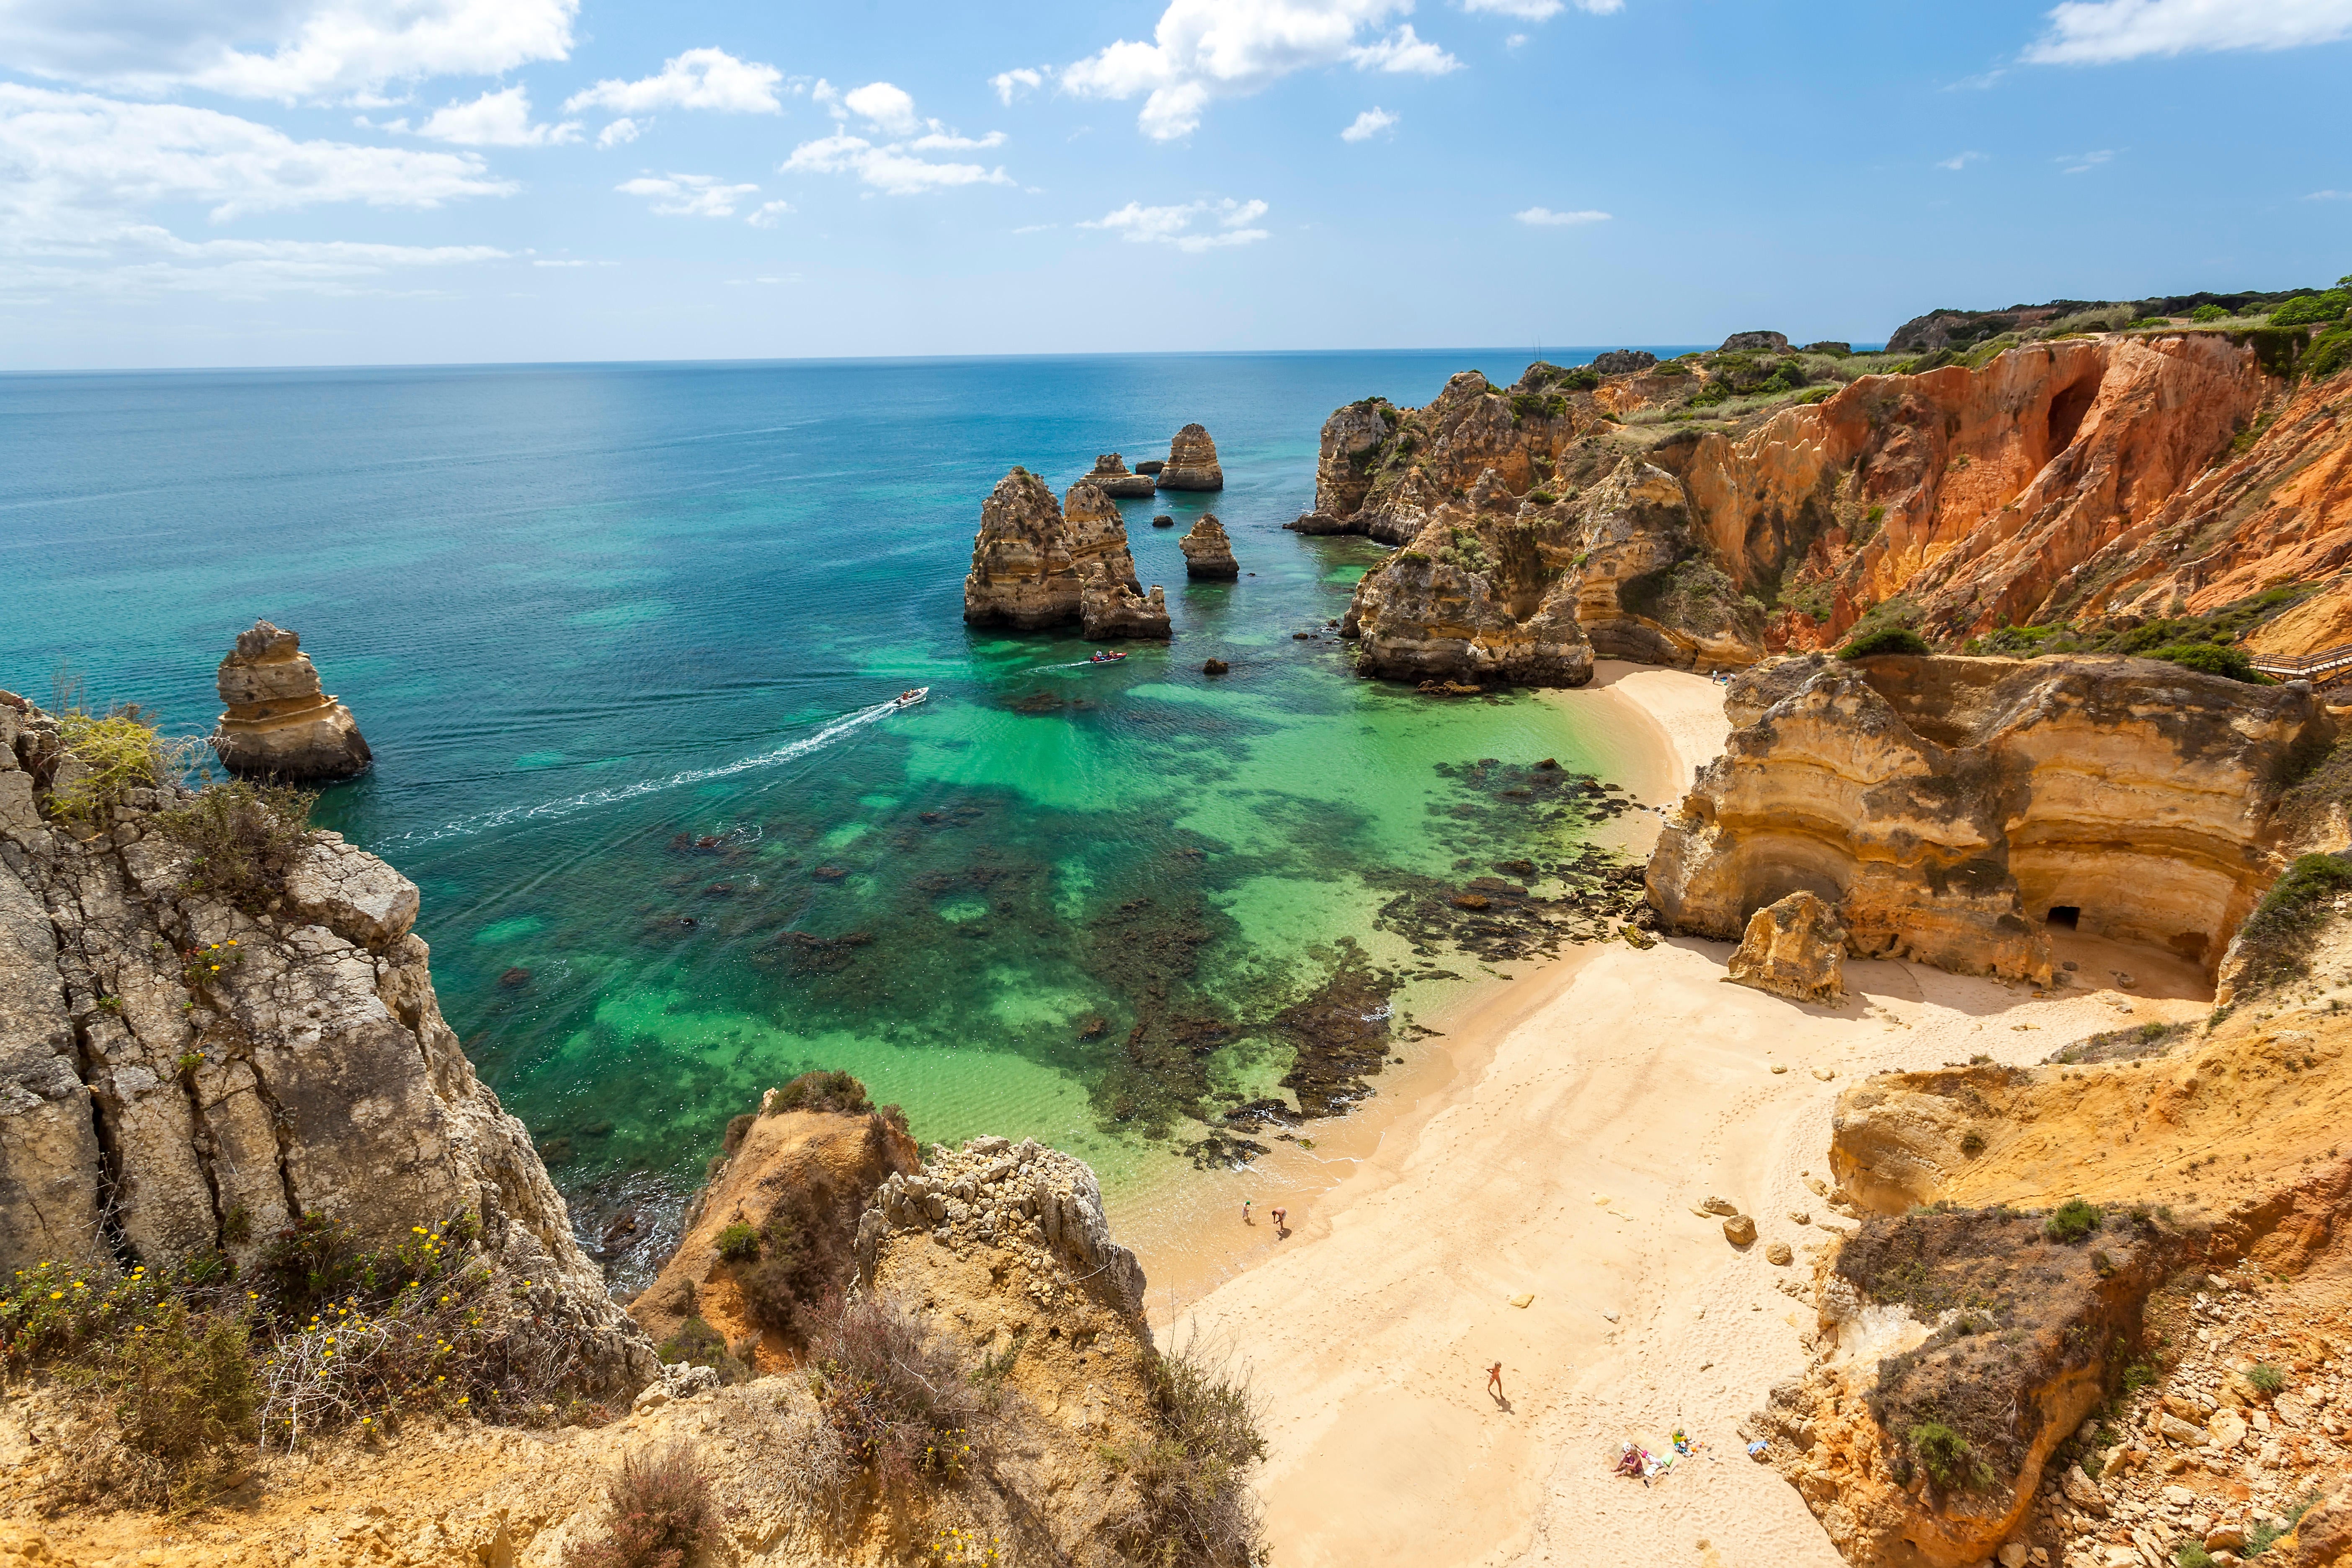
184	1075
1036	565
1208	553
1110	476
1947	808
1192	462
280	722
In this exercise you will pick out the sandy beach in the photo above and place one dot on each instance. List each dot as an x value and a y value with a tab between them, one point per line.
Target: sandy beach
1582	1110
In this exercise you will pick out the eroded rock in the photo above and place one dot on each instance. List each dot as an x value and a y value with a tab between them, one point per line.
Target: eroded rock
1036	563
1192	462
280	722
1792	948
1208	553
1110	476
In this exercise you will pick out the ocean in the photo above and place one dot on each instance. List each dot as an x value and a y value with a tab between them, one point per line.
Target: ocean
623	638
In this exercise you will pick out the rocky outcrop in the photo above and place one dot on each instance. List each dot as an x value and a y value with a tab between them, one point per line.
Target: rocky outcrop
1111	478
280	722
186	1077
1192	462
1792	948
1486	592
1623	361
1036	563
1208	553
1755	343
1947	808
1040	1206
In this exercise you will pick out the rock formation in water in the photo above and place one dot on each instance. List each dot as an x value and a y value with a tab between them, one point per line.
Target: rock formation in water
1192	462
1208	553
1111	478
1792	948
1036	563
280	722
188	1076
1947	808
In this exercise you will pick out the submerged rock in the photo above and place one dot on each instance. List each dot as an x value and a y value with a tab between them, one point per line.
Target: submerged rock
1111	478
1036	563
1795	949
280	723
1208	553
1192	462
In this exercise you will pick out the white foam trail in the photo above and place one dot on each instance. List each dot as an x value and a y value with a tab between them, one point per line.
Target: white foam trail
551	810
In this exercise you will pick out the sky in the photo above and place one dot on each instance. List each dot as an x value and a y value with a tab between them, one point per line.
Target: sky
197	182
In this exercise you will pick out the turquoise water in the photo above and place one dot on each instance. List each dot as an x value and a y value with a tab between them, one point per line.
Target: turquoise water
622	636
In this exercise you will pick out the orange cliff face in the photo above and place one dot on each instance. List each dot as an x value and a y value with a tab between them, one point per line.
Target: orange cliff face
1972	493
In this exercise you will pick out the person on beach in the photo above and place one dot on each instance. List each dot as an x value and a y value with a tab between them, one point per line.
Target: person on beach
1494	1380
1246	1212
1281	1221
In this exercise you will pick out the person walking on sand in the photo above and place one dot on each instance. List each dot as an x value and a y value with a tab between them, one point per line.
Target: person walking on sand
1494	1380
1246	1213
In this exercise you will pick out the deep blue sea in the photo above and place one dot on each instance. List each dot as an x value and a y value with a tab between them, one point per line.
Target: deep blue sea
619	636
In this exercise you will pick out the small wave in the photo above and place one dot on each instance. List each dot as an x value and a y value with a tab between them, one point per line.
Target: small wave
551	810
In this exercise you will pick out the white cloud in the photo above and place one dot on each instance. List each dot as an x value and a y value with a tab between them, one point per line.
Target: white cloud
698	78
1959	161
787	278
1514	40
70	156
2329	196
493	119
1012	84
1526	10
891	165
889	169
307	49
1041	228
2083	162
619	131
1230	224
1227	48
768	215
2101	32
687	196
1369	124
145	259
1544	217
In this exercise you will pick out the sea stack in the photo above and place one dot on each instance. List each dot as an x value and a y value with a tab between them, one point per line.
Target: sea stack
1208	553
1192	462
280	723
1035	564
1111	478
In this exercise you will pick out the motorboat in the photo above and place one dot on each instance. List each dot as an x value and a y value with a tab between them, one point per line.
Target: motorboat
1105	656
911	696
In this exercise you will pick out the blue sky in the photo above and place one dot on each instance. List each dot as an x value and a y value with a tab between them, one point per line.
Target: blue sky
291	182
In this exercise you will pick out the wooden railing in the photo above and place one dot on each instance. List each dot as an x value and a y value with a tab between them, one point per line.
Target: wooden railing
2319	668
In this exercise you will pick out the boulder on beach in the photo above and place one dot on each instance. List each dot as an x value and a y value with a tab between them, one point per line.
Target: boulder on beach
1793	948
280	722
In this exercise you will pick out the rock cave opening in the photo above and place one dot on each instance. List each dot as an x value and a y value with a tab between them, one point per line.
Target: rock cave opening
2068	915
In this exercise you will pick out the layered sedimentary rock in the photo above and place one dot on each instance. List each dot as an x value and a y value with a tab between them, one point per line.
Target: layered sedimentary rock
1192	462
1792	948
1947	808
1111	478
1036	563
280	722
186	1077
1208	553
1487	593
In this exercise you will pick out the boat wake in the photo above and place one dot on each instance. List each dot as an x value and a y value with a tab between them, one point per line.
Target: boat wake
552	810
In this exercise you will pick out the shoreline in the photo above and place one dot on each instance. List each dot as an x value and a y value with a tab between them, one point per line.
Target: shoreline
1185	1227
1589	1106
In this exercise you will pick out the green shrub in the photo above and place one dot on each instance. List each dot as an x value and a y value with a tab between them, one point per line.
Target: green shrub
661	1514
1886	639
1948	1458
824	1091
2273	943
1972	1143
1190	1502
2330	353
121	752
897	1396
2071	1221
2266	1378
2209	313
2307	310
184	1394
2150	323
739	1243
2190	1553
242	840
2213	658
1542	497
696	1343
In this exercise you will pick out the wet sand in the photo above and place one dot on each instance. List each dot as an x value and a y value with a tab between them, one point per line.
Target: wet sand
1567	1125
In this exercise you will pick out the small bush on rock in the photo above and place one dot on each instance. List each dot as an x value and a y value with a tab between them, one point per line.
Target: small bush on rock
118	753
2266	1378
184	1399
1190	1502
1886	639
896	1394
696	1343
2071	1221
739	1243
1946	1456
824	1091
242	840
661	1515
